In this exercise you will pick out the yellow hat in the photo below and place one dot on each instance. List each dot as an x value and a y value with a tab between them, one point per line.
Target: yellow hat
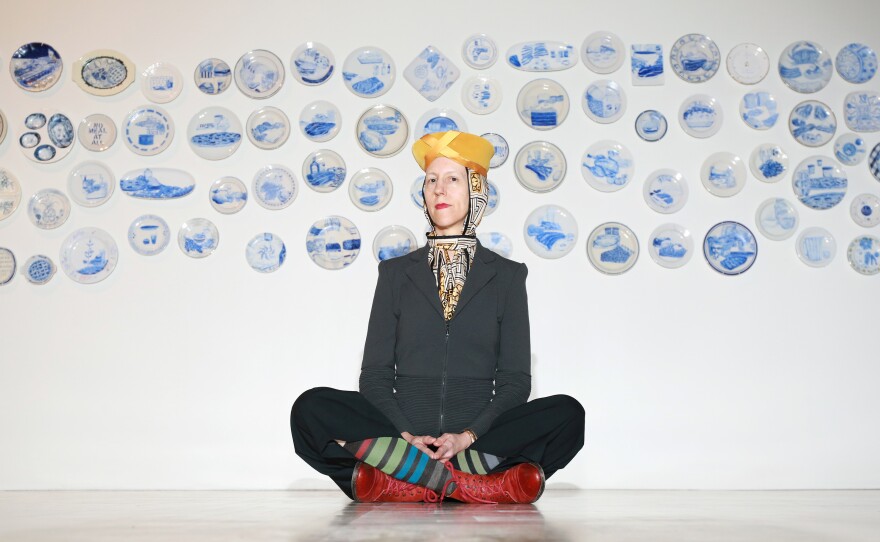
469	150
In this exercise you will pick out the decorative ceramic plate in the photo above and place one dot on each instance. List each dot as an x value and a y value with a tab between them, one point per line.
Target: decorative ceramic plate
603	52
604	101
214	133
38	269
861	110
439	120
479	51
103	72
274	186
819	182
259	74
431	73
370	189
812	123
382	131
542	104
805	66
198	238
502	149
856	63
368	72
748	63
768	163
695	58
671	246
393	242
723	174
816	247
651	125
874	161
212	76
312	63
149	235
268	128
4	126
665	191
320	121
35	66
494	198
850	149
228	195
777	219
91	184
162	82
415	192
157	183
265	252
7	265
542	56
607	166
730	248
539	166
612	248
89	255
759	110
550	231
324	171
148	130
333	242
864	254
48	209
646	64
47	136
10	193
497	242
481	94
865	210
97	132
701	116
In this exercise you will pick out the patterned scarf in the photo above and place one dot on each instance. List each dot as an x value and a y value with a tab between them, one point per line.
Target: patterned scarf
451	256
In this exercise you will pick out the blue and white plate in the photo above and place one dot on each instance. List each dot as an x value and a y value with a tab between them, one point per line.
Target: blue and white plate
157	183
148	130
368	72
431	73
651	125
856	63
7	265
539	166
759	110
865	210
502	149
730	248
38	269
228	195
3	127
497	242
48	209
103	72
874	161
47	136
646	64
416	192
35	66
479	51
393	242
805	66
863	254
695	58
861	109
89	255
214	133
812	123
162	82
198	238
439	120
665	191
701	116
819	182
542	56
320	121
265	252
324	171
149	235
10	193
312	63
494	198
481	94
607	166
748	63
816	247
370	189
612	248
768	163
212	76
274	187
268	128
96	132
91	184
259	74
671	246
333	242
382	131
723	174
777	219
603	52
550	231
604	101
542	104
850	149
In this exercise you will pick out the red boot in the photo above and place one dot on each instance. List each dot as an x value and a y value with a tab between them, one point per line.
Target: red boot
521	484
369	484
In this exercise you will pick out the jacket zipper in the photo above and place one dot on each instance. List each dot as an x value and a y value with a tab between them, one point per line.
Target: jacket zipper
443	385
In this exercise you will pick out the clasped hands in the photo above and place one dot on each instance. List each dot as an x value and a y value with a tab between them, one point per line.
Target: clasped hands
447	444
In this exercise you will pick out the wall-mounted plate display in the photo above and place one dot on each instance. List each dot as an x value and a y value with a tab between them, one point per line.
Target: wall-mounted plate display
865	210
259	74
479	51
481	94
603	52
162	82
320	121
268	128
646	64
497	242
97	132
103	72
4	126
333	242
439	120
368	72
805	66
768	163
812	123
671	246
542	56
214	133
612	248
7	265
212	76
312	63
816	247
148	130
198	238
665	191
370	189
861	111
850	149
723	174
35	66
863	254
48	209
604	101
157	183
759	110
856	63
494	198
607	166
382	131
324	170
550	231
502	149
748	63
701	116
10	193
542	104
91	184
730	248
38	269
539	166
393	242
89	255
416	194
819	182
431	73
265	252
274	187
651	125
46	136
695	58
149	235
777	219
228	195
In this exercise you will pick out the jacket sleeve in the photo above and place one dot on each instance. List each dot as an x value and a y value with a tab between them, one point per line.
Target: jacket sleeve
513	377
378	371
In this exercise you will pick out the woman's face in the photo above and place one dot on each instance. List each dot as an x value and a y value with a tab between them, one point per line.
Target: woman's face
447	196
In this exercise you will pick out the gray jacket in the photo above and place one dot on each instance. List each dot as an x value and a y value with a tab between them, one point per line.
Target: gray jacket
429	377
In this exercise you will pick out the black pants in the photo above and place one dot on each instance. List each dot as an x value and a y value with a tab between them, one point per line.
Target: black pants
548	431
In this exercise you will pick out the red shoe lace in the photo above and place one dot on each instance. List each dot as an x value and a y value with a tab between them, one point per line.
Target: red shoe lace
402	487
431	496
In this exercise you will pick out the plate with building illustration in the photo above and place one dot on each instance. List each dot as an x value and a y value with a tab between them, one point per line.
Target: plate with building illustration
324	170
212	76
162	82
439	120
819	182
612	248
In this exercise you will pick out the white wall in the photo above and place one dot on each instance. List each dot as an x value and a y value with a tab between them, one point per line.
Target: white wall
180	373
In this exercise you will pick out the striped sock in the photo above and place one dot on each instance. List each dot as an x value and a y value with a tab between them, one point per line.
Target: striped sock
474	462
398	458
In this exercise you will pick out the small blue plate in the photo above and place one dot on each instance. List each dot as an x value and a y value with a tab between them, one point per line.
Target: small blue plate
651	125
550	231
149	235
333	242
730	248
265	252
819	183
812	123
